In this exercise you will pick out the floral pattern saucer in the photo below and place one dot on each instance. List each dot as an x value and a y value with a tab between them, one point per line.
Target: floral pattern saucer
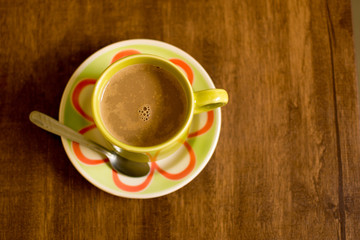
166	175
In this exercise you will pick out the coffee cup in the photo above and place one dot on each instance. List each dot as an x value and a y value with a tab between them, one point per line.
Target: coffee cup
144	105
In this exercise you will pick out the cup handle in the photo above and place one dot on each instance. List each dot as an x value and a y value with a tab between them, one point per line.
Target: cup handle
207	100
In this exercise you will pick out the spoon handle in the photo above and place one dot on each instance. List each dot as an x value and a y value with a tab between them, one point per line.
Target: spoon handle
51	125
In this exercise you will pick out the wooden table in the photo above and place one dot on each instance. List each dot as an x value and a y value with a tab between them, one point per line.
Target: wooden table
287	162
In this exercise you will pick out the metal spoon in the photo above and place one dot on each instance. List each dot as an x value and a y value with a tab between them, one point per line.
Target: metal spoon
118	163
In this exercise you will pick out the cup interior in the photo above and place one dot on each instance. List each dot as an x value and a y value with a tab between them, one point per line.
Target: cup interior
141	59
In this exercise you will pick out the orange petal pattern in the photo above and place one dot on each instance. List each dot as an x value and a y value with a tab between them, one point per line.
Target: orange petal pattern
124	53
185	67
206	127
76	94
183	173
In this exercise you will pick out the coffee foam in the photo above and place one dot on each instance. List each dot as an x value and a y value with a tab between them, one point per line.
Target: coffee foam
143	105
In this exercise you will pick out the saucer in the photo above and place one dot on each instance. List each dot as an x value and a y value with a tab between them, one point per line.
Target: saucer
166	175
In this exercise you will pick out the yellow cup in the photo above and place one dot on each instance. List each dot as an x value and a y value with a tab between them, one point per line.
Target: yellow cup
198	102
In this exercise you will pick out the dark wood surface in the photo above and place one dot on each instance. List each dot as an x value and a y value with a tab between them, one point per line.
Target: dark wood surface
287	163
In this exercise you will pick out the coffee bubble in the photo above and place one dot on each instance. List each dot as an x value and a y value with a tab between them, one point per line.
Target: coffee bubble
144	112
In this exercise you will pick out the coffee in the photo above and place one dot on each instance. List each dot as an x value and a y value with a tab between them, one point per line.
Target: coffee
143	105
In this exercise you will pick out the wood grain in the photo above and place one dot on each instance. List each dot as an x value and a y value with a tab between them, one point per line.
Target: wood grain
287	162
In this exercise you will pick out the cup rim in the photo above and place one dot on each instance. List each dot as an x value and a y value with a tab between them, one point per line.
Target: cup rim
95	106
